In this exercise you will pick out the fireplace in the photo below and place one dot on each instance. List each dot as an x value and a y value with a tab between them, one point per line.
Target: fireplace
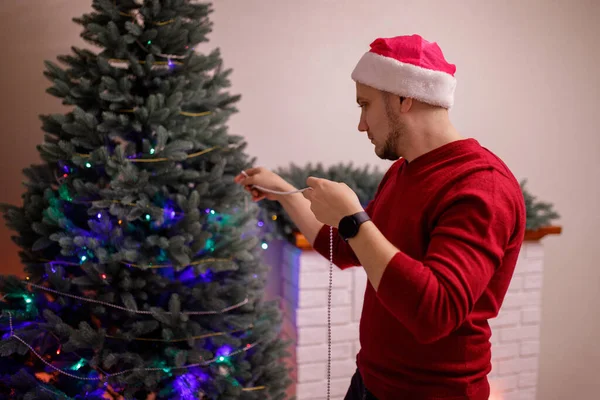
303	283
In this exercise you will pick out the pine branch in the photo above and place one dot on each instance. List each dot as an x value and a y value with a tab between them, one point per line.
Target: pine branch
539	214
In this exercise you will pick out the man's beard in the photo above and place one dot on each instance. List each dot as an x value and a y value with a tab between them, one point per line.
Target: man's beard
397	129
390	147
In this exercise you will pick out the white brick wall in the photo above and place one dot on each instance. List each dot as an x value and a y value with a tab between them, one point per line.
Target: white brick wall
305	279
516	331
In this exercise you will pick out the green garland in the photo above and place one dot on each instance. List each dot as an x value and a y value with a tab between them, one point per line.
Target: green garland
364	181
539	214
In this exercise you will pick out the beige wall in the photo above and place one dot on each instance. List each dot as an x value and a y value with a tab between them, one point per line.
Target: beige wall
528	89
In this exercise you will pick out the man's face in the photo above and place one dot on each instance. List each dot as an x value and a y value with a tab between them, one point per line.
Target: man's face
380	118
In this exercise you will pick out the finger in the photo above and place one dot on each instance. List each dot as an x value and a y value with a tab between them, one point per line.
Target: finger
239	178
257	195
255	192
248	181
313	181
245	174
251	171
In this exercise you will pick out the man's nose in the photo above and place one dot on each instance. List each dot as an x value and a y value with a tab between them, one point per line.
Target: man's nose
362	125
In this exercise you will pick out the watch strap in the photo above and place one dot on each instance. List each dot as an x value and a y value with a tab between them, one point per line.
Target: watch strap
361	217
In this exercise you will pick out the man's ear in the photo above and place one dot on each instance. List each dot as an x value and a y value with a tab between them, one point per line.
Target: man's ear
405	104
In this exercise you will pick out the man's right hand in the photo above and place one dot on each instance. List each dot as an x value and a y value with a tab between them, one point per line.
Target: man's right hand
263	177
296	206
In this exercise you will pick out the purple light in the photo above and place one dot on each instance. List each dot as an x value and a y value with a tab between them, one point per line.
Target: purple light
203	376
187	386
260	223
99	215
224	351
169	213
206	276
188	275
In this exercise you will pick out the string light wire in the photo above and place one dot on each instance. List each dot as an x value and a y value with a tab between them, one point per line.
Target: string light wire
106	304
161	159
184	113
207	335
158	266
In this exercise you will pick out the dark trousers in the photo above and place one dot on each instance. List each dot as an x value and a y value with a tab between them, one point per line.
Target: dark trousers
357	389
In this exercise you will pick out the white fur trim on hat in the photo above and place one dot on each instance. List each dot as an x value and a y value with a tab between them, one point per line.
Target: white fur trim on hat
390	75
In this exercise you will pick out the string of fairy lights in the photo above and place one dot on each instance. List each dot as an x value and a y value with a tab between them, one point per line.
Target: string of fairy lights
134	311
161	159
104	377
198	337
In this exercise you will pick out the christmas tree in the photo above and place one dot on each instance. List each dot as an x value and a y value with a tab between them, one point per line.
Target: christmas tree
142	257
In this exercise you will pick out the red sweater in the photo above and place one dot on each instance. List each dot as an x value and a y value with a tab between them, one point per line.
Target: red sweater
457	215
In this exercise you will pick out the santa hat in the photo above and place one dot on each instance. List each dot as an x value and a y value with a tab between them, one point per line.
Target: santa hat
408	66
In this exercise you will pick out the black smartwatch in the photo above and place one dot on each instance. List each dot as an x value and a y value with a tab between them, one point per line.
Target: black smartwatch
349	225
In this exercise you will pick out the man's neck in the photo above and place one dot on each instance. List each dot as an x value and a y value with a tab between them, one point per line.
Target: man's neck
434	133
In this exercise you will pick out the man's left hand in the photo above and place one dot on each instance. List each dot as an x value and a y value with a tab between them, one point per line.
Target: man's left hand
331	201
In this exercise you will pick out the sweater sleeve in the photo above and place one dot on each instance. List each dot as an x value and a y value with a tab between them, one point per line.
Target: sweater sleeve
472	229
343	255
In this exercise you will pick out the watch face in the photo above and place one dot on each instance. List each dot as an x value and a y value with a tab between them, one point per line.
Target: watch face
348	227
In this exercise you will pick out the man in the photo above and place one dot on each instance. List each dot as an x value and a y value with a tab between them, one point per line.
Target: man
439	242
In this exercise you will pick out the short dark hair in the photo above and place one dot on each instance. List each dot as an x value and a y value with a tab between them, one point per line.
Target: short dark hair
387	95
